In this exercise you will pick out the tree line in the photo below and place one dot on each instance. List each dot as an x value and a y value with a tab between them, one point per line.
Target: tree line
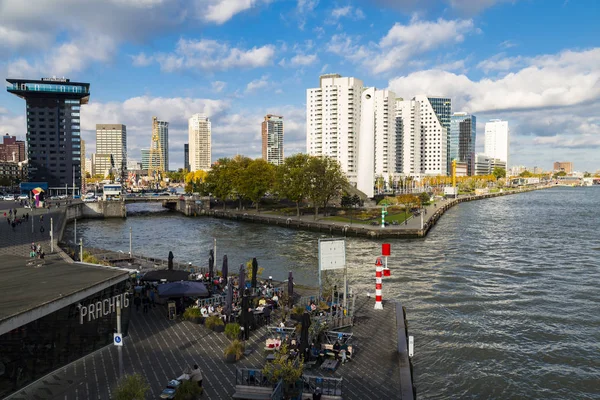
300	177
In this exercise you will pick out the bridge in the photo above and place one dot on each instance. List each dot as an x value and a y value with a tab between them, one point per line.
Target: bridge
118	208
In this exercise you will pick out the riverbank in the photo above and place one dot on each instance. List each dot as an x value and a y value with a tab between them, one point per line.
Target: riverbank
413	228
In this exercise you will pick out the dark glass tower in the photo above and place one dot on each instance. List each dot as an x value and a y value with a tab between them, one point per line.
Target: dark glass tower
463	137
53	129
186	157
442	106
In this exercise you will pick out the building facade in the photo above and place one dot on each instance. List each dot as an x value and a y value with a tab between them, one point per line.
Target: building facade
484	164
333	121
463	136
12	150
442	107
272	139
563	166
53	128
186	157
159	147
111	149
496	143
423	139
200	141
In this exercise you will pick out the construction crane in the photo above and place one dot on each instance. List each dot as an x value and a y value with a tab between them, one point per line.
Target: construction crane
156	161
454	178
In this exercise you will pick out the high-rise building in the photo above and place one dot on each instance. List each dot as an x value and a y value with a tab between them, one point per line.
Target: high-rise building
53	129
422	138
563	166
186	157
463	136
376	155
333	121
484	165
497	139
111	149
11	149
199	130
272	139
89	169
159	145
442	106
83	165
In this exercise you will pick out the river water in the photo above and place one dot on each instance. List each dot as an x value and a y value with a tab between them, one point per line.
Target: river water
502	296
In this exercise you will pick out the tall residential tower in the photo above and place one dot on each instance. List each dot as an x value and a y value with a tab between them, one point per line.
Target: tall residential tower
496	140
463	135
199	130
111	149
272	139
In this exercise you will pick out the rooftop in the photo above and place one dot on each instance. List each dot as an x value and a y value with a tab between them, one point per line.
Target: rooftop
27	287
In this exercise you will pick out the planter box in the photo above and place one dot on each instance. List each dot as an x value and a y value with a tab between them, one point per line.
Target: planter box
230	359
219	328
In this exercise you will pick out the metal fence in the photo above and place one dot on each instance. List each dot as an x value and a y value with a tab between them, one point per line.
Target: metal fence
215	301
251	377
327	386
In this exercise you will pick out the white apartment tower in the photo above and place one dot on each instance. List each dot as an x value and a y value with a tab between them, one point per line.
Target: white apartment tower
272	139
496	140
333	113
422	140
111	149
200	142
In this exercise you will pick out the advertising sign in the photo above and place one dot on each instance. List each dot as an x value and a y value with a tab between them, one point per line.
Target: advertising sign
332	254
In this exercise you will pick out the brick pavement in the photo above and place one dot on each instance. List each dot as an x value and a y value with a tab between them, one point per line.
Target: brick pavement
161	349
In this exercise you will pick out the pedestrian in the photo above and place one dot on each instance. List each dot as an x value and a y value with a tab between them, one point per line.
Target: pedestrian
145	302
196	375
152	298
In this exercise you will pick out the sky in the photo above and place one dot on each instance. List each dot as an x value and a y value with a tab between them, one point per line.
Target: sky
535	63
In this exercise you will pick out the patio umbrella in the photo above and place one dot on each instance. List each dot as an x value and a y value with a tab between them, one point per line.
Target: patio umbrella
225	269
170	265
172	275
291	288
246	316
185	288
254	271
211	263
242	279
229	298
305	321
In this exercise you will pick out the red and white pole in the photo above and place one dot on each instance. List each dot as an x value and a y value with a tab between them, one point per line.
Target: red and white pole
378	276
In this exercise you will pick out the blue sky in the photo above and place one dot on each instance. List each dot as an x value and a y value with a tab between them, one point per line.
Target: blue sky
535	63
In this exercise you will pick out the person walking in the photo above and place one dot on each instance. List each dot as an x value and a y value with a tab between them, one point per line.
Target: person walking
196	375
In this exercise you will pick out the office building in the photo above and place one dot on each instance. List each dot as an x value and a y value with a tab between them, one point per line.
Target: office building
442	107
272	139
422	140
496	140
199	131
111	149
12	150
484	164
563	167
54	315
12	172
89	169
463	136
186	157
376	142
159	146
53	129
333	121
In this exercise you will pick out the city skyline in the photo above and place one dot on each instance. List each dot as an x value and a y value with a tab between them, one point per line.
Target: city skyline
142	64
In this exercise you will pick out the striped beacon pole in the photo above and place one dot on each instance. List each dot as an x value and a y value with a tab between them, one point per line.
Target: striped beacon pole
378	276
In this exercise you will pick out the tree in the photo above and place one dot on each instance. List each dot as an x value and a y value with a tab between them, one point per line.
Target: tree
424	197
237	175
499	172
218	182
325	180
291	179
132	387
257	180
195	181
526	174
409	201
587	174
561	173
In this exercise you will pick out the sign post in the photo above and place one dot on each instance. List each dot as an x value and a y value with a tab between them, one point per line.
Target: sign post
118	339
332	255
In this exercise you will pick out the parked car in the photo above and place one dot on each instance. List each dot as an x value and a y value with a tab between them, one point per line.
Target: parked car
90	200
9	197
23	197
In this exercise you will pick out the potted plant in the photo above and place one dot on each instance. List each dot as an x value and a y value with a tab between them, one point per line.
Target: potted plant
215	323
234	351
285	369
132	387
232	330
297	313
188	390
192	314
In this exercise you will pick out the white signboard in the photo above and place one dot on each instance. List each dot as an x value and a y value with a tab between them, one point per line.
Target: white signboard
332	254
411	346
118	339
102	308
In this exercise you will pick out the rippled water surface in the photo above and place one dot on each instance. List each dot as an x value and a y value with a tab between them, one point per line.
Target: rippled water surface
503	295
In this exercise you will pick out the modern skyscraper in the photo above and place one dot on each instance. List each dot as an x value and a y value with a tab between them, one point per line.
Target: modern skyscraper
442	106
272	139
199	129
53	129
159	146
496	140
111	149
463	135
186	157
422	138
11	149
333	121
377	139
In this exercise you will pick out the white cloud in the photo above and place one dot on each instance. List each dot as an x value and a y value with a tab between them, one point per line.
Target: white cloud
348	12
257	84
401	43
218	86
507	44
300	60
470	7
305	8
212	55
221	11
141	60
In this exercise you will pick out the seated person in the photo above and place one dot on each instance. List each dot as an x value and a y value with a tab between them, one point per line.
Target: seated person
204	311
336	347
211	309
314	352
313	307
262	301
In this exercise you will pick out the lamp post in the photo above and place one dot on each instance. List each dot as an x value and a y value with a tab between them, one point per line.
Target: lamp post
119	348
81	250
130	242
51	236
75	231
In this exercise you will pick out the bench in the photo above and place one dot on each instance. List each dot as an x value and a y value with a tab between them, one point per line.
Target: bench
272	344
327	350
252	392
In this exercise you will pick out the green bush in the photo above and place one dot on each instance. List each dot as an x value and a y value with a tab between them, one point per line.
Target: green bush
232	331
191	313
298	310
213	321
132	387
188	390
236	347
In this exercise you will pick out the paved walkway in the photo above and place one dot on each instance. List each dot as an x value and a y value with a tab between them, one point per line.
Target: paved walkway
161	349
